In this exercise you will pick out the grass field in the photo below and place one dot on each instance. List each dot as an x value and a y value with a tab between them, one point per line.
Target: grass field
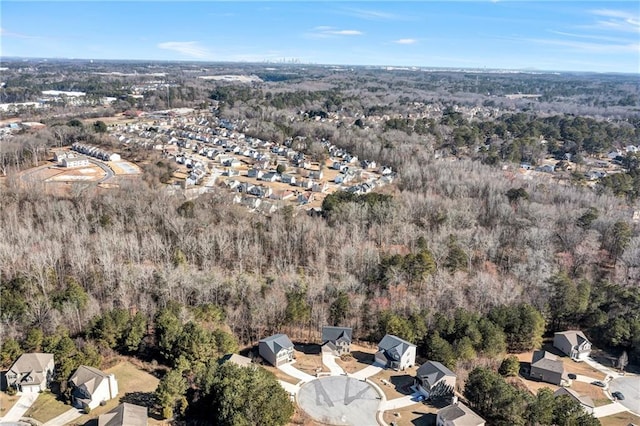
621	419
46	407
414	415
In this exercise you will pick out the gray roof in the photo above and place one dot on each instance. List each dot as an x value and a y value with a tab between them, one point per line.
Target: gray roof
124	415
394	346
546	361
277	342
460	415
582	399
433	371
33	362
88	377
240	360
334	334
575	337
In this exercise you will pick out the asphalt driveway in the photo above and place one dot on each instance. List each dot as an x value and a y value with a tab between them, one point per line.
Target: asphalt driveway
630	388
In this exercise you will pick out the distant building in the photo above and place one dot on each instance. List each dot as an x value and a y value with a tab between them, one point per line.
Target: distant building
573	343
31	373
458	414
91	386
276	349
396	353
336	339
124	414
239	360
70	162
547	368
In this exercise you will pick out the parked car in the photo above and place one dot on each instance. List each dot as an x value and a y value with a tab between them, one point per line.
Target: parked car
598	383
572	376
617	395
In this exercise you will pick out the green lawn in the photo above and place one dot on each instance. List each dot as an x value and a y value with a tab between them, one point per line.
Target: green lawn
46	407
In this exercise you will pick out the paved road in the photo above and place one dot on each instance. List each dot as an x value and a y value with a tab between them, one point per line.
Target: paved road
630	388
584	379
369	371
21	406
330	362
107	170
65	418
294	372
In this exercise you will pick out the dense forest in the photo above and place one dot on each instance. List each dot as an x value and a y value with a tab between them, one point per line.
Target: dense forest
462	256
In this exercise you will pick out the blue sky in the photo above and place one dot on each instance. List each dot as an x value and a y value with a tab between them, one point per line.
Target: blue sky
543	35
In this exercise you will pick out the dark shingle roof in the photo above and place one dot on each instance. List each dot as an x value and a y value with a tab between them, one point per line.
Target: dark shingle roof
334	334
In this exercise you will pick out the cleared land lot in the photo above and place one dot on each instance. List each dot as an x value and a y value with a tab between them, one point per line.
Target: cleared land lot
6	402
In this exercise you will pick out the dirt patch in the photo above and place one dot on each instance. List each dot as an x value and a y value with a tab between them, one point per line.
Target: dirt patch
395	384
415	415
308	360
6	402
361	357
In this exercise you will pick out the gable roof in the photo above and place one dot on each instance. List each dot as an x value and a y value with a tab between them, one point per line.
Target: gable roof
334	334
32	362
277	342
582	399
394	346
124	414
460	415
433	371
547	361
88	377
575	337
240	360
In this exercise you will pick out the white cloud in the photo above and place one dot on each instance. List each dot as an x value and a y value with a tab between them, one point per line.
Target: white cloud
186	48
6	33
324	31
406	41
618	20
374	15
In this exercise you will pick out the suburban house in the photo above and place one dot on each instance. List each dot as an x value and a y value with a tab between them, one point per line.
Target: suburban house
393	352
239	360
434	379
585	401
573	343
91	386
336	339
69	162
124	414
276	349
31	373
458	414
547	368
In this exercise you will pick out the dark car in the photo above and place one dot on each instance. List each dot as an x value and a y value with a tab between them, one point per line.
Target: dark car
617	395
598	383
572	376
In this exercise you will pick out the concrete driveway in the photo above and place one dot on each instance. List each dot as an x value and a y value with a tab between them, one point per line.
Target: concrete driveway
368	371
330	362
629	386
292	389
397	403
21	406
290	370
608	410
65	418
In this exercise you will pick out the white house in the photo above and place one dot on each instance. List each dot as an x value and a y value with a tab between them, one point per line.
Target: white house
79	161
396	353
434	379
337	340
31	373
276	349
91	386
458	414
573	343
